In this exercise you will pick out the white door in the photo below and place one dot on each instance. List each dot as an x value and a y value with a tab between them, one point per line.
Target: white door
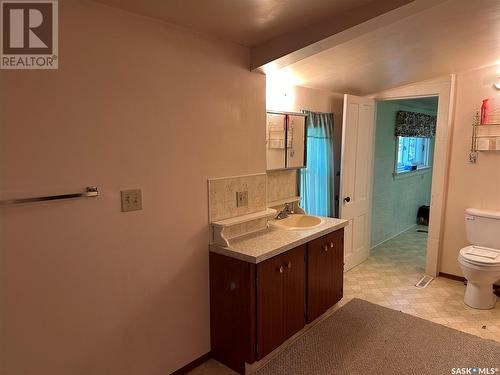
358	125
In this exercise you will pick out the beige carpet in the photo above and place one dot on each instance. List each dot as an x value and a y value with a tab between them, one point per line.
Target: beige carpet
364	338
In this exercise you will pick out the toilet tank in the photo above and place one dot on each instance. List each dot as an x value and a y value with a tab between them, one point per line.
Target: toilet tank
482	227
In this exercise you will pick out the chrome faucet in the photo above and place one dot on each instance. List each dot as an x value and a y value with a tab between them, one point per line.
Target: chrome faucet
287	210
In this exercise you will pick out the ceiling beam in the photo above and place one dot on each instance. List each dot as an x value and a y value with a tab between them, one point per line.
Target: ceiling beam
307	41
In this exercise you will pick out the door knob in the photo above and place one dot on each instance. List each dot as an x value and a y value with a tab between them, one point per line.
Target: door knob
281	269
289	265
347	199
331	244
325	247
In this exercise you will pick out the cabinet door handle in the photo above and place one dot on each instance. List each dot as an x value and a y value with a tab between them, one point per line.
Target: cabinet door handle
331	244
325	247
289	265
281	269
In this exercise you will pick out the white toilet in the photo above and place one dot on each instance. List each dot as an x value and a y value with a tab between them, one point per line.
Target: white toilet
480	262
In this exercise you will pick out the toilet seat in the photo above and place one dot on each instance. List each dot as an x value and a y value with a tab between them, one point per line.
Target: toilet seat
479	260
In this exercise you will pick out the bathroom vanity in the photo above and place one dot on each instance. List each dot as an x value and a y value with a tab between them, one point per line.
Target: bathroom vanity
267	286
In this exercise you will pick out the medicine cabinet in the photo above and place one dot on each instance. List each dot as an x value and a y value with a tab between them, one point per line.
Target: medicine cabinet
285	140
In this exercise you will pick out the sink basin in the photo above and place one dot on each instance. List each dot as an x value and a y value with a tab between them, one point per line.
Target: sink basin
297	222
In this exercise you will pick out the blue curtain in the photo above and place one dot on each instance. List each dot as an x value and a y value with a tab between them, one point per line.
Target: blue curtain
316	180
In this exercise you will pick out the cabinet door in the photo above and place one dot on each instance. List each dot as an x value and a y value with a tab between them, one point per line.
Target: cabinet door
275	141
296	132
270	302
281	296
294	291
232	311
319	278
335	241
325	273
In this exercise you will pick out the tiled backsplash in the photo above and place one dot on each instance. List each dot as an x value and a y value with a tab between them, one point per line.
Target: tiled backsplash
261	188
281	185
222	195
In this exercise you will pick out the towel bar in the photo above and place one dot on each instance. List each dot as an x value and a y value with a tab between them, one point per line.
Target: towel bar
90	191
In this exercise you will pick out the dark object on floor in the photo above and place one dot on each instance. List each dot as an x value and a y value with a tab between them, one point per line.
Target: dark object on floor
364	338
423	215
422	231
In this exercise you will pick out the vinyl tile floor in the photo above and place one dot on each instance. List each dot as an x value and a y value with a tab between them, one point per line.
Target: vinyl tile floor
388	278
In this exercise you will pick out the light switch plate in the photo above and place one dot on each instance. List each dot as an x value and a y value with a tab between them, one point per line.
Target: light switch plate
242	198
131	200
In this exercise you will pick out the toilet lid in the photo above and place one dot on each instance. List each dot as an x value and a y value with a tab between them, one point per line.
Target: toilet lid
481	255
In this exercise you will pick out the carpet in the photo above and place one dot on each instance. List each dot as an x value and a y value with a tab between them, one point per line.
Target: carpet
364	338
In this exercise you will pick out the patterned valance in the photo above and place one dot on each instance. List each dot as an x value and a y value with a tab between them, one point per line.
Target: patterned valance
413	124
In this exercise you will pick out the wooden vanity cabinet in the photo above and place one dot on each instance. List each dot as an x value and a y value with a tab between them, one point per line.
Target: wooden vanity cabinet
281	299
232	311
254	308
325	268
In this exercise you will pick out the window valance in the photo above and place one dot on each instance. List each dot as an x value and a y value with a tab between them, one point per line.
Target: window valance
413	124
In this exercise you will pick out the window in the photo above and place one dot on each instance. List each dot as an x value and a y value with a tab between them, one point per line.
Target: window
412	153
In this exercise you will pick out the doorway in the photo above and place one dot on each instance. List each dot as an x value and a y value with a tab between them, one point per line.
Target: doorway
444	89
403	160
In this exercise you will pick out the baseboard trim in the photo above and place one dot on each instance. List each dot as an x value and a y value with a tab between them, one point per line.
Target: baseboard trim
391	237
451	277
193	364
496	287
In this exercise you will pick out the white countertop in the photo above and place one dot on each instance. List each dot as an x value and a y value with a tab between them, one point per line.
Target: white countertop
262	245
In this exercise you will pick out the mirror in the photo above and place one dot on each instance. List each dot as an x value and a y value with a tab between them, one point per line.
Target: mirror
285	140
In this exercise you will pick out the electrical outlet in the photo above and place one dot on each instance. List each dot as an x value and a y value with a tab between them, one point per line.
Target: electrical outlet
242	198
131	200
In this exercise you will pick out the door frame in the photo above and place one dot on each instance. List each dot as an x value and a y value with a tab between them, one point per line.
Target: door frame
444	89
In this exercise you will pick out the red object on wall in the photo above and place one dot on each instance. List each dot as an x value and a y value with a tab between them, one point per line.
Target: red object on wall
485	111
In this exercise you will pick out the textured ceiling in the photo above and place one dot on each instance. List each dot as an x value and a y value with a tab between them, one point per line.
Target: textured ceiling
446	37
455	36
246	22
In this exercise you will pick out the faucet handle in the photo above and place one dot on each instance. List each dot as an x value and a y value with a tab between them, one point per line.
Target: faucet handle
287	209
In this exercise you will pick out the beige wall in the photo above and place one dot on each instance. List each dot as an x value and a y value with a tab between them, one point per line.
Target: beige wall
84	288
469	185
282	97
